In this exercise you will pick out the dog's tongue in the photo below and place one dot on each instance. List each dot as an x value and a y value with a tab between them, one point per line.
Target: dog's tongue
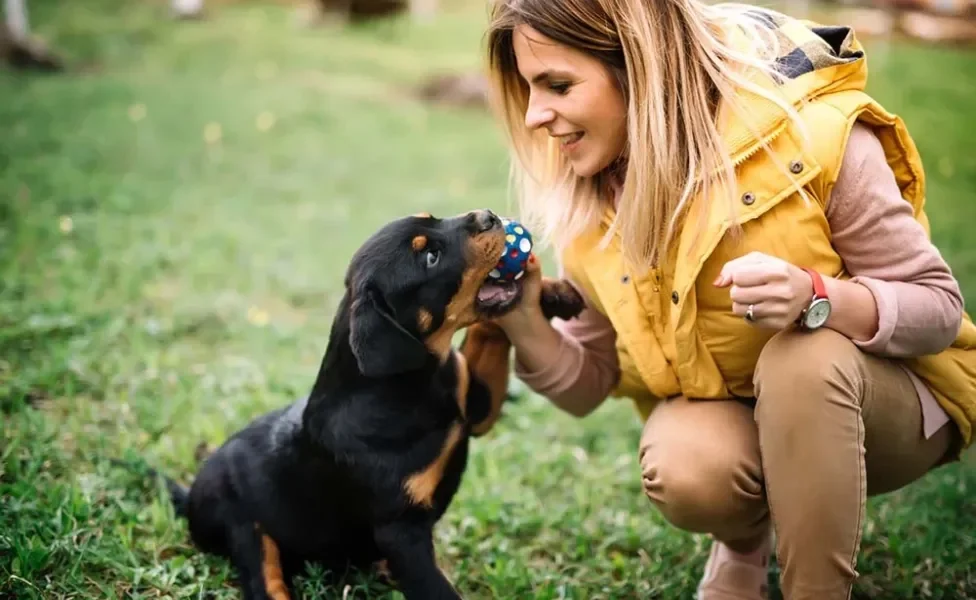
491	292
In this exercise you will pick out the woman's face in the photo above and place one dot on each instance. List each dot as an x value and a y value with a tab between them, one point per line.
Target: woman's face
575	98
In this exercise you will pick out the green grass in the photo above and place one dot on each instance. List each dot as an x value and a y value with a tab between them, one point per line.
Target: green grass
158	291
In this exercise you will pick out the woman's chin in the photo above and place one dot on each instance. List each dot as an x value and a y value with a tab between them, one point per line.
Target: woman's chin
588	166
583	168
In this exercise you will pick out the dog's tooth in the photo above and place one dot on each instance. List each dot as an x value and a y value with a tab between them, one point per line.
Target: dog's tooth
494	274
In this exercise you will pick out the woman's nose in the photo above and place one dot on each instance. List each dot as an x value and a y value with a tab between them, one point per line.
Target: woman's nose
538	116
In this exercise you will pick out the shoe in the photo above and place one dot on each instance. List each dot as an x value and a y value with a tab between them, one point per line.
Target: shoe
731	576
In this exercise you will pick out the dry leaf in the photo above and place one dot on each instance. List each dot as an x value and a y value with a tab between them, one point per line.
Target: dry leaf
265	121
257	316
137	112
212	133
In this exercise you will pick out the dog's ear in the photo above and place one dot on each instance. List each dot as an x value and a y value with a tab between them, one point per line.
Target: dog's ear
382	347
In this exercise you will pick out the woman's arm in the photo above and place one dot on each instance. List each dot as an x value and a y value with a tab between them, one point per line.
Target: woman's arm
901	283
572	363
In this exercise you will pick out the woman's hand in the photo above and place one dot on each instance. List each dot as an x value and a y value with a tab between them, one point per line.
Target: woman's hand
528	311
777	290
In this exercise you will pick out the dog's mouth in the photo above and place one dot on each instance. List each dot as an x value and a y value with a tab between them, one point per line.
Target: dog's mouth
497	297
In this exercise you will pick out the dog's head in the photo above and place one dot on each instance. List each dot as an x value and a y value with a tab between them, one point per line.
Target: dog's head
418	280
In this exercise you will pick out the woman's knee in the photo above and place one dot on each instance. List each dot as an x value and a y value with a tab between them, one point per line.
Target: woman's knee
795	365
701	485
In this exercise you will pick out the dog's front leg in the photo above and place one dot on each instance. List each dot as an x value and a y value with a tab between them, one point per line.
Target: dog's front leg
409	551
560	300
486	351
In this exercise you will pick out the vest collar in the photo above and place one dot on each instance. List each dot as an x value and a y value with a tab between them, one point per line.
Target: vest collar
813	60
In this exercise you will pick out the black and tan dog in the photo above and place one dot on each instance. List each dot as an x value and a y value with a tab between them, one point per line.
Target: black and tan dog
358	473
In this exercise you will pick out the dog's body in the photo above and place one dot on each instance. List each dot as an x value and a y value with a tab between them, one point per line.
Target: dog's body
358	473
274	490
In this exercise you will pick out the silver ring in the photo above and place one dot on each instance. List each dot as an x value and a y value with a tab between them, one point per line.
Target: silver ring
750	314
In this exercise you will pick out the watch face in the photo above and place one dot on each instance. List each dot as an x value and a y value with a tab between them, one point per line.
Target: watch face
817	313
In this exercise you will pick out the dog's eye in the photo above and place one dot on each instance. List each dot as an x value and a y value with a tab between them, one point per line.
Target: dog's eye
432	257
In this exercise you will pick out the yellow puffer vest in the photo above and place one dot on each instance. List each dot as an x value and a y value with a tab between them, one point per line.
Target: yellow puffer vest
676	331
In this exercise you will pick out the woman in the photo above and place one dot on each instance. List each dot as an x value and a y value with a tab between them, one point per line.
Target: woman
747	227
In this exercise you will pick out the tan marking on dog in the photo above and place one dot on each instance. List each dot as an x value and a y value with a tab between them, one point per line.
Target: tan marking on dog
419	243
420	487
463	382
382	569
483	252
423	215
486	349
274	580
424	320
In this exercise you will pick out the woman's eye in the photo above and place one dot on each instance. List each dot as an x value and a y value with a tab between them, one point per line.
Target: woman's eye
559	88
432	257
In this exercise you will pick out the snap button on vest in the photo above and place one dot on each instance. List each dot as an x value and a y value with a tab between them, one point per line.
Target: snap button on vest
674	297
748	198
796	166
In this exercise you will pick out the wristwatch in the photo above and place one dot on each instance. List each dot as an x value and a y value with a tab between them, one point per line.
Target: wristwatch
817	312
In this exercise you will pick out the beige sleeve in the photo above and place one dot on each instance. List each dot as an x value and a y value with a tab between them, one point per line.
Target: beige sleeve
887	250
583	369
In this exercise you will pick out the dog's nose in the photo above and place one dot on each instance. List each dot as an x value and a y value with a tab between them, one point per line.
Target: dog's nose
486	220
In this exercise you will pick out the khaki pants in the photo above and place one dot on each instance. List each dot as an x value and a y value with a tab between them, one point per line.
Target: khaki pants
831	426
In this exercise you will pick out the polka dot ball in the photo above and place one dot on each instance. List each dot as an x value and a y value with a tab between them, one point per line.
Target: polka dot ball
518	247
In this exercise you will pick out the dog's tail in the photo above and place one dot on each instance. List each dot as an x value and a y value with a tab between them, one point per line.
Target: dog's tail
179	494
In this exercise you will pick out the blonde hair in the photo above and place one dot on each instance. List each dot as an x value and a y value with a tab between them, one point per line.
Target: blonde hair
673	62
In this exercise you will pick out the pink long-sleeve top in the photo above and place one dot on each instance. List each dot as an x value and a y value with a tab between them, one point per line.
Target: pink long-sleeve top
883	247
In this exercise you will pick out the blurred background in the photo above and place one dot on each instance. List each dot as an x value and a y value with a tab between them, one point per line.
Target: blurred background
181	186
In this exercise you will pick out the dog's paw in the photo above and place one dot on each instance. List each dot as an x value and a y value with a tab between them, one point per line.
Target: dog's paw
560	299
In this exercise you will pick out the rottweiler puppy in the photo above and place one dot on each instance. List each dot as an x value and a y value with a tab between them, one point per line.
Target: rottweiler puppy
357	473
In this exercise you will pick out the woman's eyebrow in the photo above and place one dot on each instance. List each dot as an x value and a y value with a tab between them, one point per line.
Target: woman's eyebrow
551	74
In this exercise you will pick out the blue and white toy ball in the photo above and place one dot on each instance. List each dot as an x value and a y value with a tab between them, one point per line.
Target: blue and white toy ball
518	248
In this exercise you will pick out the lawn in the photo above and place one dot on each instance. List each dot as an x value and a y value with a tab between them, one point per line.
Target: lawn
175	218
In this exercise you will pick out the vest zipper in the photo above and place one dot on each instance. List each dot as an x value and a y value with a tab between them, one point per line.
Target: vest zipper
743	157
